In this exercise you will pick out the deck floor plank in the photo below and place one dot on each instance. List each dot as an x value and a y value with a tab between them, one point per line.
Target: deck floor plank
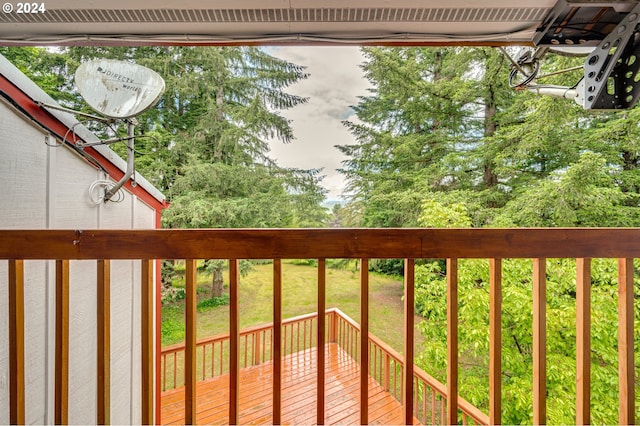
298	394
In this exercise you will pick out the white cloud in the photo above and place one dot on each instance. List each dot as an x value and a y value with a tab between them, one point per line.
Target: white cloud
334	84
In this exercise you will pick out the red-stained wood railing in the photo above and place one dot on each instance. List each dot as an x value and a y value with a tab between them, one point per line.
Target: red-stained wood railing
18	246
16	342
255	347
386	364
387	368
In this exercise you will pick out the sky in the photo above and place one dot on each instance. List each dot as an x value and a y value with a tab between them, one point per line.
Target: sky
334	84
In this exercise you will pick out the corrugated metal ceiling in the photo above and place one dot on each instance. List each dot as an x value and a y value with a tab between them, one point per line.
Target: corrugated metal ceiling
489	22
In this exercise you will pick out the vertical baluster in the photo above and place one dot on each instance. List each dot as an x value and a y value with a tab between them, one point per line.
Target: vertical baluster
277	339
407	388
495	341
164	373
175	367
147	351
320	347
424	404
285	340
257	347
539	341
333	327
625	342
234	340
62	343
452	341
395	379
246	349
379	368
433	407
402	384
342	337
347	331
443	410
583	341
387	378
213	359
190	345
364	339
304	340
202	349
373	349
416	390
221	359
104	342
16	342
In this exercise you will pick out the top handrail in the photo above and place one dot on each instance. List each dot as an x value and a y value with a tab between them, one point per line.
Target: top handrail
176	347
321	243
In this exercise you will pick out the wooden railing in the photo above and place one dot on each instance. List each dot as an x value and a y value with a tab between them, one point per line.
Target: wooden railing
386	365
256	347
494	244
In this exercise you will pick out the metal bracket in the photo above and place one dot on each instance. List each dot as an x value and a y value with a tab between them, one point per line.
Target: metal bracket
611	71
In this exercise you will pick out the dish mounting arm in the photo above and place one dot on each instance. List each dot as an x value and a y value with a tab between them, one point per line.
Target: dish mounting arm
130	162
611	77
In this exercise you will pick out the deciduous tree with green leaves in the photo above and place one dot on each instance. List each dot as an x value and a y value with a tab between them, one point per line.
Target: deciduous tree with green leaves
441	141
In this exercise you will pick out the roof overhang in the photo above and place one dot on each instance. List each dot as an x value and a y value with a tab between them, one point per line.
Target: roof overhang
193	22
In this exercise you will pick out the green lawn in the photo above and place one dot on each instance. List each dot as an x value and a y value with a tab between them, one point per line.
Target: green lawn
299	297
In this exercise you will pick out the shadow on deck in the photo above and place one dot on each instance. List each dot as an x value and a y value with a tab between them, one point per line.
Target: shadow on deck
298	394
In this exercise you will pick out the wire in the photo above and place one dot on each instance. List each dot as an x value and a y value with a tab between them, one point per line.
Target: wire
99	188
286	38
72	130
48	137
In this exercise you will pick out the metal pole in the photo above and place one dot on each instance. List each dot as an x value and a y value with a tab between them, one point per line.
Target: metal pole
130	162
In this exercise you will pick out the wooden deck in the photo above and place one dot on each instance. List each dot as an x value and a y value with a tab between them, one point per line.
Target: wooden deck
298	394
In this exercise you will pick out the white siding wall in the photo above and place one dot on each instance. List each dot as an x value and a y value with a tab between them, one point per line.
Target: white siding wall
45	187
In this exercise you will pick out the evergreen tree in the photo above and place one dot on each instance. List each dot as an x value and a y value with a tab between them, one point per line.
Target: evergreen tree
206	143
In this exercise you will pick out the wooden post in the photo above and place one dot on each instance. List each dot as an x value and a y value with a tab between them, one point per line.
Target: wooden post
364	341
409	307
625	343
495	341
62	343
146	317
583	341
190	343
320	347
16	342
452	341
333	327
277	341
234	342
539	341
104	343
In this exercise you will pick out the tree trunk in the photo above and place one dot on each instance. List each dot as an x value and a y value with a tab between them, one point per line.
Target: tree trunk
167	272
490	179
217	283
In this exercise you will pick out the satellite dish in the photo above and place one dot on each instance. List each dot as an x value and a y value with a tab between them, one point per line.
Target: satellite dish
118	89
